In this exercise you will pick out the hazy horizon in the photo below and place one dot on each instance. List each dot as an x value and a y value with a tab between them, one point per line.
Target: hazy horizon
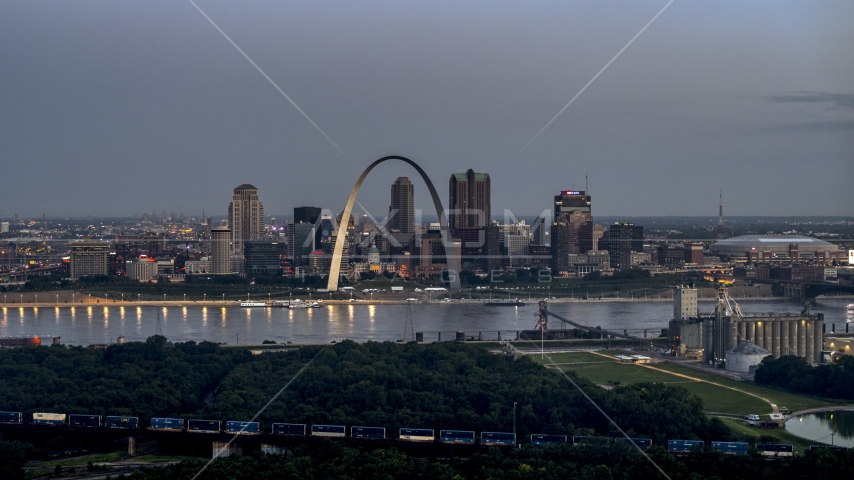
116	108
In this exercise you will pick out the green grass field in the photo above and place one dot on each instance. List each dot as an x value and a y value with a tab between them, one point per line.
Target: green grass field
572	357
783	399
780	435
716	398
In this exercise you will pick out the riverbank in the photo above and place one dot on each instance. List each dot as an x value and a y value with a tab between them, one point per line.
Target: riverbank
106	302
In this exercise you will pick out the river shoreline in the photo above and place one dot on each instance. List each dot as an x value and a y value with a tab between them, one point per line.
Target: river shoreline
100	302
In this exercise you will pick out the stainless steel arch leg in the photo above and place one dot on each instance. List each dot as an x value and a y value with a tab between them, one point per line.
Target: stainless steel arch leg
451	249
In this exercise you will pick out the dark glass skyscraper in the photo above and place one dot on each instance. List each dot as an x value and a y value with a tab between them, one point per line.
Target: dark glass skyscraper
402	206
624	238
470	200
306	214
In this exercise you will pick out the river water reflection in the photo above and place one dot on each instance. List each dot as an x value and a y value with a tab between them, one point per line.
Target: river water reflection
819	427
360	322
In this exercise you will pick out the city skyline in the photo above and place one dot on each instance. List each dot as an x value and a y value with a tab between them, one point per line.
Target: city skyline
758	97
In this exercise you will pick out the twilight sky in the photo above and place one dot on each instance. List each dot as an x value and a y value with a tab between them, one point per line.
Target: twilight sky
116	108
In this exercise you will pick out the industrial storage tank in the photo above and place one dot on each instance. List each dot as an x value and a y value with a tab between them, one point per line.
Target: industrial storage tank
744	356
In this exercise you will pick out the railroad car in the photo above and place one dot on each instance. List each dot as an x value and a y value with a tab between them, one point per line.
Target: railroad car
329	430
204	426
579	439
242	428
497	438
289	429
373	433
49	418
77	420
457	436
121	422
543	439
685	445
11	417
730	448
775	449
836	448
417	434
642	443
168	424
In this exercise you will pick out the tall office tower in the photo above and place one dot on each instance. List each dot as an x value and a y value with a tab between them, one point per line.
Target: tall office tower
309	216
560	233
89	259
403	207
470	200
245	217
540	232
306	214
220	250
301	242
623	239
574	208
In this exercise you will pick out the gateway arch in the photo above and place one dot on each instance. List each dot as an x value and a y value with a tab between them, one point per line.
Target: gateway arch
451	250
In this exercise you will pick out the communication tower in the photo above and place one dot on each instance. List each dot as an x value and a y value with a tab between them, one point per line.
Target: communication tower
408	329
721	234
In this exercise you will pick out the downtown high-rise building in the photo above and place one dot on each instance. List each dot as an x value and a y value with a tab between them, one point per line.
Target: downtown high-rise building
245	217
88	258
572	230
623	239
306	214
304	234
220	250
402	207
573	207
470	200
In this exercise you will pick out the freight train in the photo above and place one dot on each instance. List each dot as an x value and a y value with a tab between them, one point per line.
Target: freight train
424	435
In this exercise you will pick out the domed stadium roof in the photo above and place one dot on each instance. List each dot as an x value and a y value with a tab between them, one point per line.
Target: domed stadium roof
774	243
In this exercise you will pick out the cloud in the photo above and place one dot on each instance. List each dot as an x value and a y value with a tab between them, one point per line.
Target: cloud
831	126
834	100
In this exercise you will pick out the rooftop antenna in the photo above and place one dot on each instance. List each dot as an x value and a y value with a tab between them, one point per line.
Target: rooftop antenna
586	186
721	214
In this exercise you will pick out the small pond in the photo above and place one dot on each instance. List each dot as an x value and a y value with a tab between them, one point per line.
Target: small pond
819	427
